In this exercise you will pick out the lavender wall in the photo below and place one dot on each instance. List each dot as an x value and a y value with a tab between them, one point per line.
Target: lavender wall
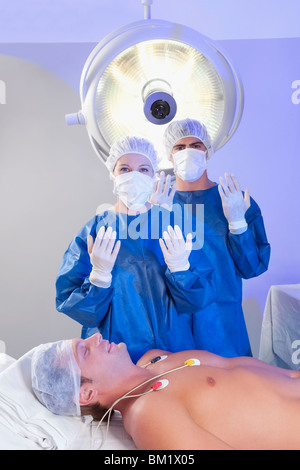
51	182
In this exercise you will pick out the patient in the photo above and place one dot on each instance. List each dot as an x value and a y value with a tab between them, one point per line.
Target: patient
238	403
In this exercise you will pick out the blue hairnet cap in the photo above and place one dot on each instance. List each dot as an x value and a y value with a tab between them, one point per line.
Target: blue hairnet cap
132	145
56	378
177	130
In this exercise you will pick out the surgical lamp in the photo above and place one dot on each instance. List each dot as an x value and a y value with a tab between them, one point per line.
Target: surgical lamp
143	75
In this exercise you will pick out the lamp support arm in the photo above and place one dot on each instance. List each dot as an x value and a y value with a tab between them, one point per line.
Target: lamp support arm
147	9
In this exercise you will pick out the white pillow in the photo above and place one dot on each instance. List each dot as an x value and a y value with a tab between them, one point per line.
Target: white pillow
22	414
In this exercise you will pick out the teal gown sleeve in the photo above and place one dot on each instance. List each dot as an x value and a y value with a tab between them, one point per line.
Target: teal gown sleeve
76	296
250	250
194	289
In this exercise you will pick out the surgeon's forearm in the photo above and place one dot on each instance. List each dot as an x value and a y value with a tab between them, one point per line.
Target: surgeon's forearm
87	304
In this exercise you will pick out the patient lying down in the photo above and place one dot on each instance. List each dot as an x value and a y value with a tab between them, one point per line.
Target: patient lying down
238	403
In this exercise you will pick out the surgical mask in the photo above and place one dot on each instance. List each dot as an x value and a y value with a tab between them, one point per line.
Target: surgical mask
133	188
190	164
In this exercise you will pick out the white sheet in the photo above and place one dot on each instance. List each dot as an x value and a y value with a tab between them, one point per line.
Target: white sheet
281	327
25	424
116	435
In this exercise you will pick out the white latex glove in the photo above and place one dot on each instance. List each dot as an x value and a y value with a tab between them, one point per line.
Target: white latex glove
175	250
234	204
103	254
161	194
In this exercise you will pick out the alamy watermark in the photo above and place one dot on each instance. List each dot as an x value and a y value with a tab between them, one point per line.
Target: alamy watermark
296	94
296	353
189	218
2	92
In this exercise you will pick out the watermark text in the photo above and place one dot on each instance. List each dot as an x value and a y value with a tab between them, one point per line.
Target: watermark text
296	94
2	92
296	353
151	224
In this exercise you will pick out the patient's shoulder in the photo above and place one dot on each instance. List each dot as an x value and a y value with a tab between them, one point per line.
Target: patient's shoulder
155	422
151	354
143	418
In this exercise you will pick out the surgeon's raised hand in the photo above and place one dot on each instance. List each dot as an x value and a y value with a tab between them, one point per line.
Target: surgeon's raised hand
163	192
103	254
175	249
234	203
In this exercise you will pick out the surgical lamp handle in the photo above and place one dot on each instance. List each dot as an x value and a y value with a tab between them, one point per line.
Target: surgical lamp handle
147	9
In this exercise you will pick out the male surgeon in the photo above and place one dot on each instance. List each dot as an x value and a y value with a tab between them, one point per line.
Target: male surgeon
234	236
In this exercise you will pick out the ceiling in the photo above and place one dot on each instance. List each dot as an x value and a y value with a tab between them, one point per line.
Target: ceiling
91	20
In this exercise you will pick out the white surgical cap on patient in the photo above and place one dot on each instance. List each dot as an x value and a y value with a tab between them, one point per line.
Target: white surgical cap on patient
56	378
128	145
186	128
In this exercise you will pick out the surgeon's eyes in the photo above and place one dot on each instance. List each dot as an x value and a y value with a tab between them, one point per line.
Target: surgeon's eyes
178	148
144	170
199	146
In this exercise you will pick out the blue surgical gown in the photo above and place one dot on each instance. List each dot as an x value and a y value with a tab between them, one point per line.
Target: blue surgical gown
146	306
220	327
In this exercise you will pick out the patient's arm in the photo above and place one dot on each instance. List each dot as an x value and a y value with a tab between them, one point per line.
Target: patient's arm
158	424
250	362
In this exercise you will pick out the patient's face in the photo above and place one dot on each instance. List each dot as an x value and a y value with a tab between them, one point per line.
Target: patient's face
98	359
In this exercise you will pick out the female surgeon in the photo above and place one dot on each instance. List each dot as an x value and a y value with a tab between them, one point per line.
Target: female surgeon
120	277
